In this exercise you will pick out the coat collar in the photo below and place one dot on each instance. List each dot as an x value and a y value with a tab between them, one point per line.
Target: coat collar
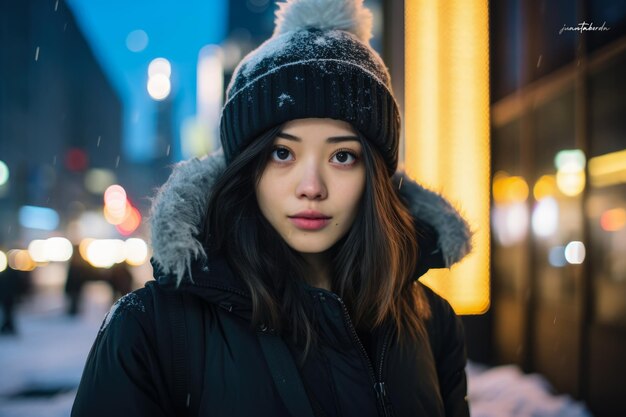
180	204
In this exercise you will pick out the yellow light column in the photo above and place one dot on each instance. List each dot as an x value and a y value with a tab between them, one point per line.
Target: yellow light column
447	128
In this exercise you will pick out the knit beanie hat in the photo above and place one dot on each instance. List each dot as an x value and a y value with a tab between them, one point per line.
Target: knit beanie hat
317	64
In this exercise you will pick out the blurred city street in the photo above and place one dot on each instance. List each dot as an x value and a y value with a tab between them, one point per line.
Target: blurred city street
42	364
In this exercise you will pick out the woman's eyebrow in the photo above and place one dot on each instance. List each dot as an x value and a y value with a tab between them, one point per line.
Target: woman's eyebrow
337	139
332	139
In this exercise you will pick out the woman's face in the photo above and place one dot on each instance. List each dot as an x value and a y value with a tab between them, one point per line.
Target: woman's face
311	186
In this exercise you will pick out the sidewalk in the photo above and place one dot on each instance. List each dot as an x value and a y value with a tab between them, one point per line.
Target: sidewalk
41	366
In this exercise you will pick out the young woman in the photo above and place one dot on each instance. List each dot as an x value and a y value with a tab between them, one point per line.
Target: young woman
286	265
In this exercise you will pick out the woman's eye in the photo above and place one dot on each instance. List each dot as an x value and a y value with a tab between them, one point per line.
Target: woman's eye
281	154
344	158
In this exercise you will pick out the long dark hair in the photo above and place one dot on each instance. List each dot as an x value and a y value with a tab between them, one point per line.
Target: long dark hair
373	264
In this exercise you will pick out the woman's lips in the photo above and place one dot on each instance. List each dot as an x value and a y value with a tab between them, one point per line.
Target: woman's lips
310	220
307	223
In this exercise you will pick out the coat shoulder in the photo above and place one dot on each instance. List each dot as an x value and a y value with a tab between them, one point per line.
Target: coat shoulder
444	326
134	306
440	307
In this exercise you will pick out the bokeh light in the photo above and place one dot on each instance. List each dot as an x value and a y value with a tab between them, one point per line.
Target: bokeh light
115	196
115	204
575	252
570	159
545	187
115	216
104	253
54	249
76	160
160	66
570	183
4	173
608	169
42	218
159	86
137	40
556	257
3	261
545	218
98	180
613	220
136	251
58	249
82	247
20	260
510	223
570	176
37	250
130	223
509	189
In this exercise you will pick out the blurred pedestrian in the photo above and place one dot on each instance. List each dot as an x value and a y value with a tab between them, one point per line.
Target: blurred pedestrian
79	272
120	279
14	284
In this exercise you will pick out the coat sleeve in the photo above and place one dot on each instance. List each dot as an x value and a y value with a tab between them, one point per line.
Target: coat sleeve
451	357
122	375
452	377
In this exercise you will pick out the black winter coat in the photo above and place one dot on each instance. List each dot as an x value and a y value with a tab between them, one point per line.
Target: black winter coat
129	371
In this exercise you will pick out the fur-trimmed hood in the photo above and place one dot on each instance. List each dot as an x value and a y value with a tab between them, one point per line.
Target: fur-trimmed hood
180	204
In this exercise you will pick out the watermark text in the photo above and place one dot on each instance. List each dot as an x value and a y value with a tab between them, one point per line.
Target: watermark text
584	27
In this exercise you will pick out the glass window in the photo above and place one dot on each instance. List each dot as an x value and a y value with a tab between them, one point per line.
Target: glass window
509	211
506	47
551	48
556	218
509	217
606	206
608	13
607	102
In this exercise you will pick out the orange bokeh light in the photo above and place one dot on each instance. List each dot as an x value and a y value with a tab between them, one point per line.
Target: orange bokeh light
116	216
130	223
613	220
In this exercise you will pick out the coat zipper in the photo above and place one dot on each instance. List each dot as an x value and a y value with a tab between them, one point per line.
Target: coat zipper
382	389
378	384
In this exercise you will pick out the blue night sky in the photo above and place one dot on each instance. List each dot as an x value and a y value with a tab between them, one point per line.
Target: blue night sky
176	30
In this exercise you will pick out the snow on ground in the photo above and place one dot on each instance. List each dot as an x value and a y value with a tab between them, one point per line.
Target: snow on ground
50	351
506	391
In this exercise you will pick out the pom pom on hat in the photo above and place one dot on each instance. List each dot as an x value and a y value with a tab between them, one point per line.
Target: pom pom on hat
348	15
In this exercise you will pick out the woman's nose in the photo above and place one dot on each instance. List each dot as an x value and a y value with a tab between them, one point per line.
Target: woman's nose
311	184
